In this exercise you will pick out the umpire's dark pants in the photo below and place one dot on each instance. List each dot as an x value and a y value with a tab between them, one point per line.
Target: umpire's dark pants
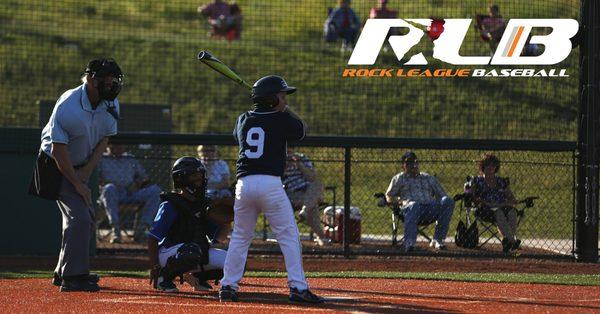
77	226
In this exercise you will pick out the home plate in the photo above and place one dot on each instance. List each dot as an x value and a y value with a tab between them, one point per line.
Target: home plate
339	298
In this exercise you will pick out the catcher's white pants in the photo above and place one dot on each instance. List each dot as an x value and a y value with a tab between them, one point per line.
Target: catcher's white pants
216	257
254	193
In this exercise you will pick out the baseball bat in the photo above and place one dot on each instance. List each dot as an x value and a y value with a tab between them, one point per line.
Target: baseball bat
217	65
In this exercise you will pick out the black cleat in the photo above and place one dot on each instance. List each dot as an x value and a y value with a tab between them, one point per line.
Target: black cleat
516	245
57	280
166	286
304	296
78	284
506	245
227	294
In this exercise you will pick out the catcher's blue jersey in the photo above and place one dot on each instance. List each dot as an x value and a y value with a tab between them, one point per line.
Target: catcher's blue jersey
262	137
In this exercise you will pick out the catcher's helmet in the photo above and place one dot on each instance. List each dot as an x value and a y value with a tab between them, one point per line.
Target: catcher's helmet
181	171
266	88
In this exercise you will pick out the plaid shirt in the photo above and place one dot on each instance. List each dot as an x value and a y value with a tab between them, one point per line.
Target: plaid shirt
293	178
121	171
217	170
424	188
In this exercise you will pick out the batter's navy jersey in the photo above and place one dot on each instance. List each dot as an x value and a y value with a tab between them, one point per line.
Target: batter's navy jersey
263	136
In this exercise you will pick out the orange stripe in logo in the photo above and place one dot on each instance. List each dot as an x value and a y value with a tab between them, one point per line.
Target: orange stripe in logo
514	43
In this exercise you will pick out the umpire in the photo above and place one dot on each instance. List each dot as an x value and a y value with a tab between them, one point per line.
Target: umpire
72	144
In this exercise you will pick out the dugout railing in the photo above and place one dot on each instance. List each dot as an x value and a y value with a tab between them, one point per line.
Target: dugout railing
356	167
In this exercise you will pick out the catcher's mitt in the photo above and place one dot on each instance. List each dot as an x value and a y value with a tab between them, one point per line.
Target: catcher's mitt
220	210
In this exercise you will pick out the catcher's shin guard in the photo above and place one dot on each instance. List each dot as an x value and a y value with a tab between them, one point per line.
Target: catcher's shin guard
188	257
206	275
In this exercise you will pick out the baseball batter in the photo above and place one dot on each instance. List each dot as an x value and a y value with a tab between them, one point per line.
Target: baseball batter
262	135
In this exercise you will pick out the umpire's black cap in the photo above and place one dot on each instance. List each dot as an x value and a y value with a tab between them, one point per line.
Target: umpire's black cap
103	67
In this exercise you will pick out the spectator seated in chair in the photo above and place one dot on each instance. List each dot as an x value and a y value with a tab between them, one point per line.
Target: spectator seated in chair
381	11
218	172
219	190
496	202
420	197
343	23
124	181
531	50
491	27
225	19
305	191
234	23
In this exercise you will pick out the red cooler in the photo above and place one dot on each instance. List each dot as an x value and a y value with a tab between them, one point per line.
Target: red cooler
335	227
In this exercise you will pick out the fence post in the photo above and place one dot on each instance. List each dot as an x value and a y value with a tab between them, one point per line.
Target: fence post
347	185
588	139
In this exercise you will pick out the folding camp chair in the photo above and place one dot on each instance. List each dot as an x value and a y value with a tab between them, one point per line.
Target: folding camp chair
485	217
398	216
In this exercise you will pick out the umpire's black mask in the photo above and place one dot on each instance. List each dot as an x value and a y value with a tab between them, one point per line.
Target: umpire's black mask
100	69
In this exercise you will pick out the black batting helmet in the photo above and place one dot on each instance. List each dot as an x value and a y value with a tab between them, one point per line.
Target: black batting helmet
181	171
265	90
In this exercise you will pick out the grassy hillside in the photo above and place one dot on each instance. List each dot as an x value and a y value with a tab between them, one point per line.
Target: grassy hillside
44	46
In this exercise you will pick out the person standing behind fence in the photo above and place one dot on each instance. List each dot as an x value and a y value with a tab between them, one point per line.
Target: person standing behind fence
75	138
262	135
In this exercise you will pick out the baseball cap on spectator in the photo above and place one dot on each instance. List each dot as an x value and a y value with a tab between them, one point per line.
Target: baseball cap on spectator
410	156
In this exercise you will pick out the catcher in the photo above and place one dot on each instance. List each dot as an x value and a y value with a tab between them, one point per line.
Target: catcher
178	242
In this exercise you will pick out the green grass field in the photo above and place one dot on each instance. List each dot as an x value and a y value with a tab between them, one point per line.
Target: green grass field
45	45
557	279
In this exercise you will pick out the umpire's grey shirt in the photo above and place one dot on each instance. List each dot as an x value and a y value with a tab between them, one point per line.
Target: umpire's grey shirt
73	122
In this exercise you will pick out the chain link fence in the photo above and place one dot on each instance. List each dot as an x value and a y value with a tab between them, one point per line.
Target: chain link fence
545	229
45	45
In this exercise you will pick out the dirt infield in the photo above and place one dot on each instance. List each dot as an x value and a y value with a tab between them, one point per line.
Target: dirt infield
261	295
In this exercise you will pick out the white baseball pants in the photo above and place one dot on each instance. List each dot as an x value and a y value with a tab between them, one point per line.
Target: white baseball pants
254	193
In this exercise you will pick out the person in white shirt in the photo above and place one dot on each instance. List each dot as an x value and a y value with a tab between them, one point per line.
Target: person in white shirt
218	172
421	197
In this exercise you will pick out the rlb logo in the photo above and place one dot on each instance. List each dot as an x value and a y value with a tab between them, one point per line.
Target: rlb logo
446	48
